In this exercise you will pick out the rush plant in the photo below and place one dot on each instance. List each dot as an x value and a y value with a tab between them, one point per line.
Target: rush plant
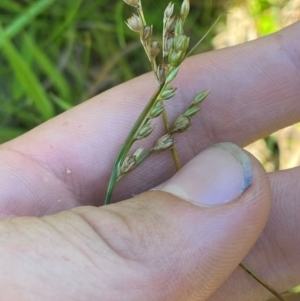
165	58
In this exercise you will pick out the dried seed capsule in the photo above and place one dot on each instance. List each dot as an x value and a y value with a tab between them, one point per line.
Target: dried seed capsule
185	9
181	124
168	93
134	3
191	111
145	131
156	111
170	25
165	142
162	71
146	33
138	153
128	164
168	45
200	97
135	23
169	10
154	49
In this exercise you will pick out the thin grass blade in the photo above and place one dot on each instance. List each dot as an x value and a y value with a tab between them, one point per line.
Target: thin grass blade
25	18
27	79
48	68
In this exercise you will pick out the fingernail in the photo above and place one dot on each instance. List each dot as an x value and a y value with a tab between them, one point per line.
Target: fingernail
218	175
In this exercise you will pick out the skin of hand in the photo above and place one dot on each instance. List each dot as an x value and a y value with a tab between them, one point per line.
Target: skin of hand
183	240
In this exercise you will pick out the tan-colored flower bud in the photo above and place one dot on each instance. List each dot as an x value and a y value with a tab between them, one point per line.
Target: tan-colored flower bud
185	9
181	124
154	49
145	131
128	164
165	142
135	23
169	11
162	71
138	153
134	3
168	45
170	25
200	97
146	33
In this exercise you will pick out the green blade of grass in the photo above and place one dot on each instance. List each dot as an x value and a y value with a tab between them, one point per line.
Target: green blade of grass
25	18
120	24
27	78
49	68
22	114
61	103
69	18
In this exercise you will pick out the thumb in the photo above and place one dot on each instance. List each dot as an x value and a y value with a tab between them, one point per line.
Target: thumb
176	243
189	234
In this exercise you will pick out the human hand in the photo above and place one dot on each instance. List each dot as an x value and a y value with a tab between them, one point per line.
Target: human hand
155	246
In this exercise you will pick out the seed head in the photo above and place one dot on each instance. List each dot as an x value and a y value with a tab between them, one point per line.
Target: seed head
178	27
146	33
185	9
172	74
128	164
200	97
191	111
168	93
169	11
181	43
138	153
134	3
145	131
165	142
135	23
168	45
154	49
162	71
170	25
156	111
174	57
181	124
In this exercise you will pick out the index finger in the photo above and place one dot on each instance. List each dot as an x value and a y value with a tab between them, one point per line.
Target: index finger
254	88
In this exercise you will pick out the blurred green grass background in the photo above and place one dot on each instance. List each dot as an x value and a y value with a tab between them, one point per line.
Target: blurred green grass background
57	54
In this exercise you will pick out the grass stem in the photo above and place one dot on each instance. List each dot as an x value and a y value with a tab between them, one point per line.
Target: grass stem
261	281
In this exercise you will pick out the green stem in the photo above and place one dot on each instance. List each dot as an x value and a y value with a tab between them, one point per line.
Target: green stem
144	117
262	282
206	34
154	67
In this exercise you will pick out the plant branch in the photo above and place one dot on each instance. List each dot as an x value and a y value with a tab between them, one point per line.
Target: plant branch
144	117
